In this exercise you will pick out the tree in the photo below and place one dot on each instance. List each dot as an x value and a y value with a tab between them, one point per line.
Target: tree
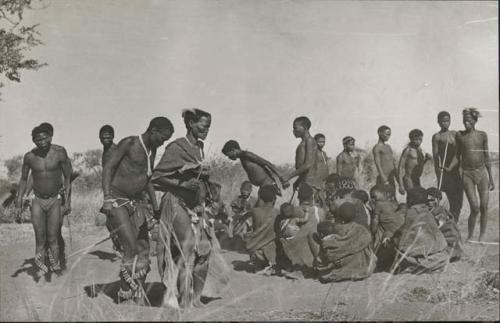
16	39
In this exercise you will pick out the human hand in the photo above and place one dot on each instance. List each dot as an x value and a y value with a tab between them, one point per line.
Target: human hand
193	184
491	184
428	156
107	206
385	241
296	185
157	214
66	209
402	190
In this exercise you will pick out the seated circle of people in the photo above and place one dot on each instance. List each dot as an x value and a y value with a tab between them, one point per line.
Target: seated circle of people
337	231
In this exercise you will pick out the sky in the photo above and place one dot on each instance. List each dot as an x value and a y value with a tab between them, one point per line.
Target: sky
256	65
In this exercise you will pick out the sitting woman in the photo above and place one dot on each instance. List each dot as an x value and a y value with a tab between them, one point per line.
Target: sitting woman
420	245
296	226
345	248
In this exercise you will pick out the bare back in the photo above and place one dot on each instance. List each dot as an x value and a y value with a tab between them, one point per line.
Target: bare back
471	149
257	175
47	171
130	177
307	146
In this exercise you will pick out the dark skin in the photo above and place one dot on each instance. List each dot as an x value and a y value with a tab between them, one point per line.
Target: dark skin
473	153
126	171
347	161
50	168
106	139
411	164
383	156
257	168
304	155
182	224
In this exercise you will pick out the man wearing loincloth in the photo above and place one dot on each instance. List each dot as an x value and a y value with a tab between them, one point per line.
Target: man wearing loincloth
473	156
305	159
184	232
125	179
451	183
384	160
51	171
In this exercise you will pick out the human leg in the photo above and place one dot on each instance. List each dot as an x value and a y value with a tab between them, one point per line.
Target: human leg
54	217
470	192
38	219
483	191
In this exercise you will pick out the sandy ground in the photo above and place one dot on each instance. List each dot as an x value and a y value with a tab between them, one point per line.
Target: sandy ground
87	290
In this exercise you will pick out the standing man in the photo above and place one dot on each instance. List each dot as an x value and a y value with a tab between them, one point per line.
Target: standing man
106	136
51	171
305	158
384	160
473	156
348	161
125	179
451	183
183	225
322	158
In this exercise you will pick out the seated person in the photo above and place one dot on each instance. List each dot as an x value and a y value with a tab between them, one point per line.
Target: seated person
289	221
420	245
446	223
363	197
239	223
307	216
260	242
345	248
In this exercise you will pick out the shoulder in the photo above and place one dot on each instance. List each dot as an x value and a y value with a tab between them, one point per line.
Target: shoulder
60	150
29	155
435	136
377	147
482	133
127	141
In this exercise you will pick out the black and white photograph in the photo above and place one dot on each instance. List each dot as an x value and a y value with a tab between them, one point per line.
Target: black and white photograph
249	160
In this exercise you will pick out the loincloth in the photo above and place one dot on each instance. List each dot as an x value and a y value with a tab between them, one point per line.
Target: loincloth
47	203
476	175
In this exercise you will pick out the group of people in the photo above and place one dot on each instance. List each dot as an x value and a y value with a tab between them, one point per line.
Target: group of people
337	231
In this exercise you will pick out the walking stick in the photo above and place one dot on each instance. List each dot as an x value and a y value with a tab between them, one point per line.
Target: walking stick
442	164
293	194
70	235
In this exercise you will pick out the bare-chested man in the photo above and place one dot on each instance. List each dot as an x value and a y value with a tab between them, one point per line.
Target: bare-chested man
322	158
473	156
411	162
305	159
106	136
51	170
451	183
125	179
348	160
260	172
384	160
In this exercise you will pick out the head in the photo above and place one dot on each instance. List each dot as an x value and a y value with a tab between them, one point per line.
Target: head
348	143
320	140
378	193
434	196
287	210
444	120
246	189
197	122
305	193
384	133
41	137
301	126
106	135
470	116
231	149
361	195
160	130
416	195
267	194
47	126
416	136
339	186
346	212
326	228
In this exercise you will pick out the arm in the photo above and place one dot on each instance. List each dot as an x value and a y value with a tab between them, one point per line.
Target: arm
378	164
22	183
401	172
67	169
486	151
435	154
309	162
339	164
